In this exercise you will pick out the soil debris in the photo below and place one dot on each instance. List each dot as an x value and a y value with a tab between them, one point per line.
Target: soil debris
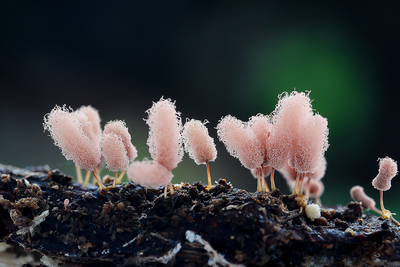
132	226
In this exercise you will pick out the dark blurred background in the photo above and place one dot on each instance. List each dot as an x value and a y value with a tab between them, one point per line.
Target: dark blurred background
214	58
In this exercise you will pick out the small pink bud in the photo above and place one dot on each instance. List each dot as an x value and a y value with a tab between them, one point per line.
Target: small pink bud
66	202
387	170
357	194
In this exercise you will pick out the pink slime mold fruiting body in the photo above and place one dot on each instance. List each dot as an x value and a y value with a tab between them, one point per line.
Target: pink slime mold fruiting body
199	145
261	126
240	141
117	148
75	144
90	120
165	140
287	118
382	182
387	170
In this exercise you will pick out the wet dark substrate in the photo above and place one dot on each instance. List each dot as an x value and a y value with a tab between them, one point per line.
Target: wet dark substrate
131	226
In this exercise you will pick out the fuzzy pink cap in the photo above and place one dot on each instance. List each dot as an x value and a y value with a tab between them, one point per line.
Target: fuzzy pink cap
165	140
198	143
90	119
119	127
311	144
74	143
114	152
240	141
357	194
288	117
387	170
149	174
262	128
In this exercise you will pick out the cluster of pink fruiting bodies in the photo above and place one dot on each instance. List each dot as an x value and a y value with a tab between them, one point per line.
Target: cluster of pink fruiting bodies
292	140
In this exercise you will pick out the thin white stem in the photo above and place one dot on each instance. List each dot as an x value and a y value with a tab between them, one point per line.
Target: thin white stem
171	189
78	174
265	185
101	186
87	178
300	186
209	176
294	193
115	180
120	177
273	188
258	181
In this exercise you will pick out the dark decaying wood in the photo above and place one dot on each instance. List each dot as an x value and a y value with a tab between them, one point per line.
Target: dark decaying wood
133	226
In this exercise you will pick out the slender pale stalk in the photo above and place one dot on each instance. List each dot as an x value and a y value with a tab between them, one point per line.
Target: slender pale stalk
87	178
259	189
209	176
381	198
386	214
273	188
120	177
78	174
300	186
98	181
98	172
294	193
171	189
264	183
115	180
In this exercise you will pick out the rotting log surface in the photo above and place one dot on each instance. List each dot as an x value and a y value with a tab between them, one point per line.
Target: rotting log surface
131	226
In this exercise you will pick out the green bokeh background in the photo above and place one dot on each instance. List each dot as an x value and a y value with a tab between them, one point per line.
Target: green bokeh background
213	58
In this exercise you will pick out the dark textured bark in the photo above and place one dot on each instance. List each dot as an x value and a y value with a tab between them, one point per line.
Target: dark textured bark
131	226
